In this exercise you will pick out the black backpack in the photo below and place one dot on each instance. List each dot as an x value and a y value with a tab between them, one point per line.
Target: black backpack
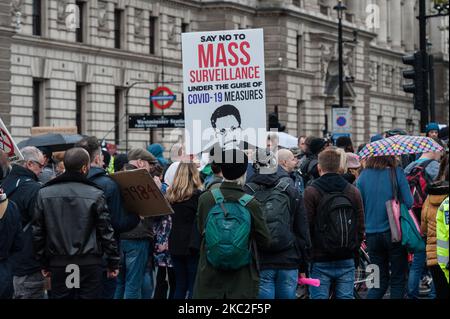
276	207
335	228
307	170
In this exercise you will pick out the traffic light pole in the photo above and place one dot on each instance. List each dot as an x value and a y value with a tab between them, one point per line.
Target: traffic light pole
423	48
432	88
341	64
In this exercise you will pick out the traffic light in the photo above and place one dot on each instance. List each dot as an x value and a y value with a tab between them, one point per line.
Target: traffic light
418	76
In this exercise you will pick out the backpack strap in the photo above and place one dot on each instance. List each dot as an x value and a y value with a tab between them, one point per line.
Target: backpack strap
394	183
424	165
245	199
218	196
283	184
252	187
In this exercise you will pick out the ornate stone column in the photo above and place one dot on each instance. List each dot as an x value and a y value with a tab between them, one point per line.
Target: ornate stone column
409	22
395	10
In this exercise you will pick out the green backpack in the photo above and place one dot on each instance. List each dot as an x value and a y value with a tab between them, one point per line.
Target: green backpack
227	233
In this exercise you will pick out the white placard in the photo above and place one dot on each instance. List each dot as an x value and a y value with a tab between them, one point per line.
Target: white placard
224	89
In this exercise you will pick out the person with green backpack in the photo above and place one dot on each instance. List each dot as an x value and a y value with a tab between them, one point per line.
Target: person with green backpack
233	228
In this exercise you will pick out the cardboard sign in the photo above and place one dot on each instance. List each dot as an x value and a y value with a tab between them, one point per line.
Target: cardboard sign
141	194
224	89
8	145
41	130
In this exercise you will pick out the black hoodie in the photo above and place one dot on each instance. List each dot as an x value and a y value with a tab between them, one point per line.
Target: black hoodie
296	257
332	183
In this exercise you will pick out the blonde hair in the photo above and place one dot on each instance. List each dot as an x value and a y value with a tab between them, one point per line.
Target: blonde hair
187	180
343	168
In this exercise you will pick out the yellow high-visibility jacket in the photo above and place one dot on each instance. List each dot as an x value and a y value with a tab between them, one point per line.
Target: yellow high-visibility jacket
442	236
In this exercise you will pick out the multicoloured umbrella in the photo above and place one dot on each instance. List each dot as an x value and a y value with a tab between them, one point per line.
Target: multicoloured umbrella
400	145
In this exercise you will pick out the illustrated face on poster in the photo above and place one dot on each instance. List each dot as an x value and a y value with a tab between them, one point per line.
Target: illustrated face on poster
224	90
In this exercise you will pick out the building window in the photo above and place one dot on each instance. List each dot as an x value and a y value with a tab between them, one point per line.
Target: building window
118	110
80	36
152	34
379	78
301	112
38	94
184	27
379	123
394	80
395	122
299	51
118	27
349	17
37	17
80	104
324	9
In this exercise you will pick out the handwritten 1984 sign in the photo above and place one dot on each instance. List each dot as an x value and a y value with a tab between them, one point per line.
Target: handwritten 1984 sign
141	194
224	88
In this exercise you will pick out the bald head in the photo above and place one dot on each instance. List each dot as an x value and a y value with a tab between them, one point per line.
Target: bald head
77	160
287	160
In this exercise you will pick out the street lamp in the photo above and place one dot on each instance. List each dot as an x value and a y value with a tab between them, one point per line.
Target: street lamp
340	8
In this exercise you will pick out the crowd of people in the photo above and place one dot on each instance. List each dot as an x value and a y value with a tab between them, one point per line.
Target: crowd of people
240	229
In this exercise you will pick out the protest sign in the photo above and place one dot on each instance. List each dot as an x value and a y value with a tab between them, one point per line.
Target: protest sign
141	194
8	145
224	89
41	130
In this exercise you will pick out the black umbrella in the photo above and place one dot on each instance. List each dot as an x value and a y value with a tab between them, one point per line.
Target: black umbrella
54	142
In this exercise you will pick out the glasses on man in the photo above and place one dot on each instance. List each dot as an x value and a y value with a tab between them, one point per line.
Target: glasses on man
41	166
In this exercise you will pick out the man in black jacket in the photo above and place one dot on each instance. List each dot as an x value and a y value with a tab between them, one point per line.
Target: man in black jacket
280	266
73	230
21	186
121	220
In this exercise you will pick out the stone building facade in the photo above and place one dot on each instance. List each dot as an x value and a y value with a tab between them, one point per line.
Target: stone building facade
6	33
62	75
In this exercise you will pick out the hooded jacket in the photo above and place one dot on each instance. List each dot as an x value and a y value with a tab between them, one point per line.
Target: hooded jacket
437	192
22	186
332	183
432	169
297	256
73	225
157	150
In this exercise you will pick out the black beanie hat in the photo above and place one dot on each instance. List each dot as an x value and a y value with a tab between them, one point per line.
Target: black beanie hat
316	145
233	163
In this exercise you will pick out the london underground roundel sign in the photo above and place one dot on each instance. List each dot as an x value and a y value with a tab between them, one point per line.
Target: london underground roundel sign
162	97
